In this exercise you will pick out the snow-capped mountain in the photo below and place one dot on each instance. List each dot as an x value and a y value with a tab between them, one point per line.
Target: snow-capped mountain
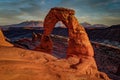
90	26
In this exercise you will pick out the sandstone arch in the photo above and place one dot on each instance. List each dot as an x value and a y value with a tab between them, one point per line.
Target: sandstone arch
78	43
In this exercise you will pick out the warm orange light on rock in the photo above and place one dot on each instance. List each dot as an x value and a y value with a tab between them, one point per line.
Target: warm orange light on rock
78	43
3	42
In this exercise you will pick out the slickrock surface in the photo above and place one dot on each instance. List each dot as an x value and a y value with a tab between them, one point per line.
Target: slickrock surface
21	64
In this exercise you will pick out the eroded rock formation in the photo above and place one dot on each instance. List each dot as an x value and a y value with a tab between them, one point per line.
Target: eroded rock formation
3	42
78	44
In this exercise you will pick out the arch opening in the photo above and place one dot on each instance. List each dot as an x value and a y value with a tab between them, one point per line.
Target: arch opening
60	24
60	43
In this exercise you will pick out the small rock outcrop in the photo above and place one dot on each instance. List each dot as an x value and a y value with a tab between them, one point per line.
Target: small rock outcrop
34	37
3	42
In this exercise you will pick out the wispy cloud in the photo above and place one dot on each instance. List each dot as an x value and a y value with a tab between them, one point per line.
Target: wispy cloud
94	11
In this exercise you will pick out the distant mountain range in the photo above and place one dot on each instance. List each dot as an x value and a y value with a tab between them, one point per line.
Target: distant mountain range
90	26
59	24
26	24
95	32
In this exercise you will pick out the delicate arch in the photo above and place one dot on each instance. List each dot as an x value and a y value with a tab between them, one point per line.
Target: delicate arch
78	43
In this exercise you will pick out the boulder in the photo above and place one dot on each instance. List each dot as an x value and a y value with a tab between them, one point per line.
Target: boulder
34	37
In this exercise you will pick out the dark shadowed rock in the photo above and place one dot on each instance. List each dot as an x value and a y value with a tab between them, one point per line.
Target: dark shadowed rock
34	37
118	70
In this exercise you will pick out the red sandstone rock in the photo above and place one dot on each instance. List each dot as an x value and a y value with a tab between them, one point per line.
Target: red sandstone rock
79	43
3	42
32	65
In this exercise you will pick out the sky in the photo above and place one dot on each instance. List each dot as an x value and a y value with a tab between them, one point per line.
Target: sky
92	11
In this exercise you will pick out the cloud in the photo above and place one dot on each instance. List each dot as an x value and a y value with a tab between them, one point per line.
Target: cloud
92	5
86	10
105	19
108	20
10	12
